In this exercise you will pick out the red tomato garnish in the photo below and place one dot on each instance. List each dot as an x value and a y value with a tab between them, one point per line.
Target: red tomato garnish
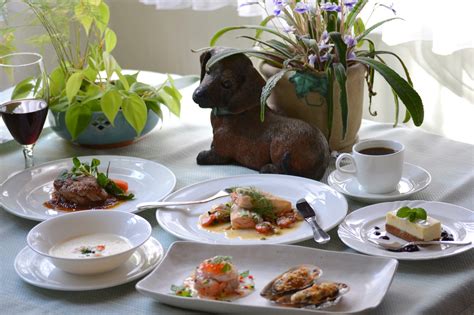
121	184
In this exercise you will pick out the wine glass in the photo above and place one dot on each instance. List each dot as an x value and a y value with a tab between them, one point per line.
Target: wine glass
24	98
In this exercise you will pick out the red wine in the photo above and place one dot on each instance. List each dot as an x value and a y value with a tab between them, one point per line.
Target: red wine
24	119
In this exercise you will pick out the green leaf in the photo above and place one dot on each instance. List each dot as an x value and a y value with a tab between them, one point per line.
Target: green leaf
155	107
90	74
77	118
110	64
173	92
340	74
135	112
110	104
267	90
272	31
124	79
341	47
140	88
370	29
306	82
83	16
110	40
245	274
284	53
359	28
170	102
405	92
252	52
403	212
420	213
73	85
23	89
264	23
103	16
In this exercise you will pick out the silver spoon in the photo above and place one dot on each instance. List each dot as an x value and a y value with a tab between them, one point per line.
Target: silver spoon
159	204
398	246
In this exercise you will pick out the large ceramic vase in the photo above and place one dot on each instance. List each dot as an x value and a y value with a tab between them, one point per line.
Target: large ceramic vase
313	108
100	133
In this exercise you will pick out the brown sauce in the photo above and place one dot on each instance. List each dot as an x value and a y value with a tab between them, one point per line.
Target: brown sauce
57	204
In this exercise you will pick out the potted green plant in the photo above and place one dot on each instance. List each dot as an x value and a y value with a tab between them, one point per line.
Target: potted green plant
315	62
92	102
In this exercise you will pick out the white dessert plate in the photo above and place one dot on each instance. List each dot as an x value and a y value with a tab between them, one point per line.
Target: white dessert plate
37	270
360	225
368	277
330	206
414	179
24	193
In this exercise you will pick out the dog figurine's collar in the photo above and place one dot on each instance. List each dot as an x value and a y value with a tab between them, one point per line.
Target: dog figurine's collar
216	111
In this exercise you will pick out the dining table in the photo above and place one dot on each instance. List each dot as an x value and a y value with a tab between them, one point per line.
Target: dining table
436	286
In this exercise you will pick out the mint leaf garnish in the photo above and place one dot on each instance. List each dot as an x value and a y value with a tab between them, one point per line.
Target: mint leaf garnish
412	214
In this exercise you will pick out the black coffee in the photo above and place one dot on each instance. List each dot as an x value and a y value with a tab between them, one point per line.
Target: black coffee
377	151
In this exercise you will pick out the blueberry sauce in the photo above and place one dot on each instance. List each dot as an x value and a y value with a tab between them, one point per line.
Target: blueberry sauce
409	248
385	237
445	236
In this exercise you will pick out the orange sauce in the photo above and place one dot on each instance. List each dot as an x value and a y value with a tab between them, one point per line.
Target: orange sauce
246	234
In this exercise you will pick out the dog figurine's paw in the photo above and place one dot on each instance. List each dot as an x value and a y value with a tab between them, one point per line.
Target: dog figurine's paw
210	157
270	169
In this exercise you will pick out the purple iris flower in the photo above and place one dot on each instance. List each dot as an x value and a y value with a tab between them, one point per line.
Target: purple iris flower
312	59
351	55
323	46
289	28
324	36
350	41
279	4
324	57
301	7
330	7
350	4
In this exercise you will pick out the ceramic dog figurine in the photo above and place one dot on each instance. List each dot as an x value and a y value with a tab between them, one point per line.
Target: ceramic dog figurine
279	144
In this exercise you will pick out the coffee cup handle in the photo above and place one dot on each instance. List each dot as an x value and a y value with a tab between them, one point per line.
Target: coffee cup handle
339	160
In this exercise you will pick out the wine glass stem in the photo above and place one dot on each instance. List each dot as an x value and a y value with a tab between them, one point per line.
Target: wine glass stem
28	153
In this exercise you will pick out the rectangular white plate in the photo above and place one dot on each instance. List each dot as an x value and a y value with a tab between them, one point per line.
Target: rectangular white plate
368	277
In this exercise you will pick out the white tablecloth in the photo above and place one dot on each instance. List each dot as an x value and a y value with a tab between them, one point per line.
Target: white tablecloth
443	286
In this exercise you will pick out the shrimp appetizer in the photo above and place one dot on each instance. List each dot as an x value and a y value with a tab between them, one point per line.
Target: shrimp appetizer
216	278
251	208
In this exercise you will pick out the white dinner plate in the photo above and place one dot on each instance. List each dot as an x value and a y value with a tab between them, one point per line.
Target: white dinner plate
360	225
367	277
330	206
39	271
24	193
414	179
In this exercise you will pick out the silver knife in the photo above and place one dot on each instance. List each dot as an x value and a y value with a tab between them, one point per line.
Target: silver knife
305	209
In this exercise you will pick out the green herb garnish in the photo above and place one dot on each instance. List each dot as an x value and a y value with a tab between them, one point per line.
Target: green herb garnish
227	267
85	169
181	290
221	259
412	214
245	274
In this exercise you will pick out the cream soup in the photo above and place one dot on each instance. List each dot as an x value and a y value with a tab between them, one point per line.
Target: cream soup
91	245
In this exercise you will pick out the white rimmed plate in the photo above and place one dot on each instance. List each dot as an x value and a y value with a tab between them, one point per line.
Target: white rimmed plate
368	277
330	206
24	193
414	179
360	225
37	270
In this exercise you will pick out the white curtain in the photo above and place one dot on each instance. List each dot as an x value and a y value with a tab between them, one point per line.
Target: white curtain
205	5
447	25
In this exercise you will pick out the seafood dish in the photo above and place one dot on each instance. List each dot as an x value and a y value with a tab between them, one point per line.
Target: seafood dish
298	287
252	209
85	187
412	224
216	278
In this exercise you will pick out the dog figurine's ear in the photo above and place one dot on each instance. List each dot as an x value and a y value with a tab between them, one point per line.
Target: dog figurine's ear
204	58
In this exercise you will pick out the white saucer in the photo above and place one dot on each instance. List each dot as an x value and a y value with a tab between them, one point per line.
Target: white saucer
414	179
39	271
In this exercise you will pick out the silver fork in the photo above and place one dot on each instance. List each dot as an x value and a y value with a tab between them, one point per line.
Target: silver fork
159	204
397	246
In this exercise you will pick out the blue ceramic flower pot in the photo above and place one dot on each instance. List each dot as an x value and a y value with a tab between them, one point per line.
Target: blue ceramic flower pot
100	133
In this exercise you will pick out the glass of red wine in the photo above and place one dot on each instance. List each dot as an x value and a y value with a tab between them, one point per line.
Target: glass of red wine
24	98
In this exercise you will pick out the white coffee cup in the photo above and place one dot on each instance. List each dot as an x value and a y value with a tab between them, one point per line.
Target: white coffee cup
377	164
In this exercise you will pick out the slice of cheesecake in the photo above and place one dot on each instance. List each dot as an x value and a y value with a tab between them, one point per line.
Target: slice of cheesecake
420	230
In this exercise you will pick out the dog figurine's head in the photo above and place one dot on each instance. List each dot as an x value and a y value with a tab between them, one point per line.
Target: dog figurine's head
232	85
